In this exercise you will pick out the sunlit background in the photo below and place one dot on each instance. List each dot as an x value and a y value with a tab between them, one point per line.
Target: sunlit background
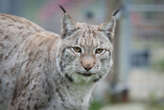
137	82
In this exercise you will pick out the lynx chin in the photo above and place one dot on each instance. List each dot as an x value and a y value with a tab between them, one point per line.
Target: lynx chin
40	70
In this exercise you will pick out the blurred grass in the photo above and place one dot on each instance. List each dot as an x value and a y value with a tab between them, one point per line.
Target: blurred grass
155	103
159	65
95	105
155	107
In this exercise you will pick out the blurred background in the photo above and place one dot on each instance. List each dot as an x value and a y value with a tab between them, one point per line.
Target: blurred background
137	82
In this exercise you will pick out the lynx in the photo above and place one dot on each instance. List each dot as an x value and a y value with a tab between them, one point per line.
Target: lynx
40	70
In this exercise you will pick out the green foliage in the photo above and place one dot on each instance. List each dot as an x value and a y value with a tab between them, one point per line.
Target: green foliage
154	103
95	105
159	65
155	107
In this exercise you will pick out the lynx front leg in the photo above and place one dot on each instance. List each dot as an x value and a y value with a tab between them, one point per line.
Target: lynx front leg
31	93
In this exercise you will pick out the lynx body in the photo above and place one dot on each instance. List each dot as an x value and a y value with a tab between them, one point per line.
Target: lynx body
40	70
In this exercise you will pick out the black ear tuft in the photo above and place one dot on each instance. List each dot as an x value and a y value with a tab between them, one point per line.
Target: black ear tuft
68	24
115	12
62	8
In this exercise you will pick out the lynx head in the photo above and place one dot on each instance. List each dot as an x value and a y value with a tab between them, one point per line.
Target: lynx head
86	50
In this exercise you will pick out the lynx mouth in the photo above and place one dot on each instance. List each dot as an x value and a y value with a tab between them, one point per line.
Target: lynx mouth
85	74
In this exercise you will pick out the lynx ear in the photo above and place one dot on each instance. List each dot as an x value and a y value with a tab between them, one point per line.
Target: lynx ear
68	25
109	28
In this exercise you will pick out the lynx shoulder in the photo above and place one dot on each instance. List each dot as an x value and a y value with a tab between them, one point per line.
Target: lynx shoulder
40	70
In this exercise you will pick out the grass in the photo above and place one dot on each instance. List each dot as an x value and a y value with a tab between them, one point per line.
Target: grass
159	65
95	105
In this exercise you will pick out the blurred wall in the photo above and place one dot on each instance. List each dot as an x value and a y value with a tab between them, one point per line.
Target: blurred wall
47	13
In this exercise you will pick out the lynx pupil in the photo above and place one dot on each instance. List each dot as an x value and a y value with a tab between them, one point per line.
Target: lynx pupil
99	51
77	49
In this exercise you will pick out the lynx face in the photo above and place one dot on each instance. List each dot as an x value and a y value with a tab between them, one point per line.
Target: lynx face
86	53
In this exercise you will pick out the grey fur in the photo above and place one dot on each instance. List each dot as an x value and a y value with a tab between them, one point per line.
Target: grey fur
39	70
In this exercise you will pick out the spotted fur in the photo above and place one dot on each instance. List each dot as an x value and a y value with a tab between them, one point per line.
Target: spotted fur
40	70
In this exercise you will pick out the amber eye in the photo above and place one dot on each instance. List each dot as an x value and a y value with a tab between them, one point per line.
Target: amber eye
99	51
77	49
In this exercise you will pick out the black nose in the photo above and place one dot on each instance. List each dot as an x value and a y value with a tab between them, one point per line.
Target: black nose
87	62
88	68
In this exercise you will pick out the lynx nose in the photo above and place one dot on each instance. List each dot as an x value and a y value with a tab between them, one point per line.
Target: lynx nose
88	62
88	67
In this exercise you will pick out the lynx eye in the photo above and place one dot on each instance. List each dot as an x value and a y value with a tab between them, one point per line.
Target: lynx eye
77	49
99	51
